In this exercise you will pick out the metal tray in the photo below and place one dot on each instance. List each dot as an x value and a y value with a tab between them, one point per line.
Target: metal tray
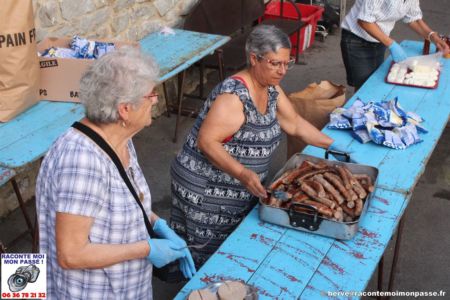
312	222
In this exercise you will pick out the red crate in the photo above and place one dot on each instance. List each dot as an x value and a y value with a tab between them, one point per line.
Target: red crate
310	15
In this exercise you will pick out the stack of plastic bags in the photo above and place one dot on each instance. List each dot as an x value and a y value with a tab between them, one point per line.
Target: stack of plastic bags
384	123
80	48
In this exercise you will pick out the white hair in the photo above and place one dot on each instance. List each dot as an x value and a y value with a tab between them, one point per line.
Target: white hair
264	39
121	76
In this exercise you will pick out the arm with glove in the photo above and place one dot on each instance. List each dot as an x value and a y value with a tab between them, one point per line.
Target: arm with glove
339	150
397	52
175	247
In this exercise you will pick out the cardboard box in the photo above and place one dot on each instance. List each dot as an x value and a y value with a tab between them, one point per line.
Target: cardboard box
60	77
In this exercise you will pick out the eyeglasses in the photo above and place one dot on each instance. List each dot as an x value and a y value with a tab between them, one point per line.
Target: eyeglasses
276	64
151	96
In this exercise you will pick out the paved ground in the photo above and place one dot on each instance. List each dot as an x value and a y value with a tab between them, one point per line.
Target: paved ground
424	262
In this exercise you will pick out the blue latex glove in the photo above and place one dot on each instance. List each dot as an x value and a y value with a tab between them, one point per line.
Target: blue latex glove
163	251
397	52
187	265
336	146
355	157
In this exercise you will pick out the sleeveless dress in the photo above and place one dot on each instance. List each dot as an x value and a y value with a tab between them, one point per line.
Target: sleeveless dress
207	203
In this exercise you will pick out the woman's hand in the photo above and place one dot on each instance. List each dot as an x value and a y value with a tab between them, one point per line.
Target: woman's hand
397	52
163	252
252	182
187	265
440	44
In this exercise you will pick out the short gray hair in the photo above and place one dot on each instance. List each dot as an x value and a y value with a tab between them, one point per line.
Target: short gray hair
264	39
121	76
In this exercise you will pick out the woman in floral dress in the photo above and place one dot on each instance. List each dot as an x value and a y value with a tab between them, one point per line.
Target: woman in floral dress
217	176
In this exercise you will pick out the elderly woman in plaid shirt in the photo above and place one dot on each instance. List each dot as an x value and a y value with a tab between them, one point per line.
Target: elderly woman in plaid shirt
91	227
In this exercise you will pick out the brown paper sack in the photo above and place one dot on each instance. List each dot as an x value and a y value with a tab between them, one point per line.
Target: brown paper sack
315	103
19	65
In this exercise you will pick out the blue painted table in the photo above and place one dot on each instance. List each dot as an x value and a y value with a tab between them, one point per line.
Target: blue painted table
27	137
175	53
288	264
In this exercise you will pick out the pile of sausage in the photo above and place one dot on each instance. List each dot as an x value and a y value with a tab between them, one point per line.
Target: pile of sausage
333	191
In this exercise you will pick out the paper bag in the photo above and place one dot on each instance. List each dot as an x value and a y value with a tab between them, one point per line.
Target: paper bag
315	103
19	65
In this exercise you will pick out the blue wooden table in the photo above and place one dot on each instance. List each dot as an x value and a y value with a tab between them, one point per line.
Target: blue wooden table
288	264
177	52
27	137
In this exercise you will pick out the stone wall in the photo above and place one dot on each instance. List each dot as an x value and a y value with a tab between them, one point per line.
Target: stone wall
129	20
119	19
116	19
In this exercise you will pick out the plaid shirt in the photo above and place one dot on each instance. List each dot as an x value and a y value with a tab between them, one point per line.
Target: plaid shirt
383	12
77	177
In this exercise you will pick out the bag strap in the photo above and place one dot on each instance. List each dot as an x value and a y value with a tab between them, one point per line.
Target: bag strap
96	138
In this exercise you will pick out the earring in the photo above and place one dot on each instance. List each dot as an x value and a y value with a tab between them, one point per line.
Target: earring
123	124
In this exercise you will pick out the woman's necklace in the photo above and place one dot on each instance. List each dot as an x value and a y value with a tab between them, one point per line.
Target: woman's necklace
140	193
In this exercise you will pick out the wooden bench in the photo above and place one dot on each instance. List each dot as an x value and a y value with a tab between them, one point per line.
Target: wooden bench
234	18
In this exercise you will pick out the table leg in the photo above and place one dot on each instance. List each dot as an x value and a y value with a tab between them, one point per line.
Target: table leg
35	245
166	98
201	71
380	275
396	252
180	101
22	206
298	46
220	62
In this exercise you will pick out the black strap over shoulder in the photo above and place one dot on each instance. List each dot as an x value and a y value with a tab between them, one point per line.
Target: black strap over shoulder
94	136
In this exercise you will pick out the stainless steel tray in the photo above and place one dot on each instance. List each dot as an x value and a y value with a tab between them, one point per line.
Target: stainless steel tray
314	223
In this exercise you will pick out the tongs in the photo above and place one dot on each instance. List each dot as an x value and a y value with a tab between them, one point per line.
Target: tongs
197	246
280	195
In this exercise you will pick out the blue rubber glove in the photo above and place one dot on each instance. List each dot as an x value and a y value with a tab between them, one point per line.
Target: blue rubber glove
336	146
187	265
163	230
397	52
355	157
162	252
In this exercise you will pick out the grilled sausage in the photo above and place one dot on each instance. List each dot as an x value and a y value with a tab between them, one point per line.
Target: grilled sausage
312	193
349	211
336	182
329	188
358	207
296	173
317	187
344	176
356	185
321	208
